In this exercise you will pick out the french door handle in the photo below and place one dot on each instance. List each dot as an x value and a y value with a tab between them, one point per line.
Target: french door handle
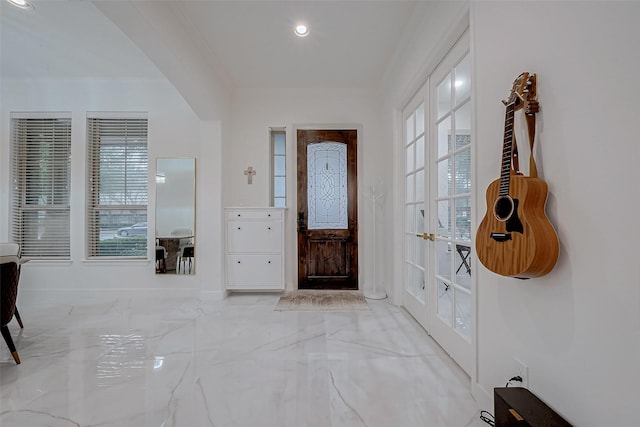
427	236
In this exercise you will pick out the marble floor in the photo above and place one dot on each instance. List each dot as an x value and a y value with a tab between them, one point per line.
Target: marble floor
237	362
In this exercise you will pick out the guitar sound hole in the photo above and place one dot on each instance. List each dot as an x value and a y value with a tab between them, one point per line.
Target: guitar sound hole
503	208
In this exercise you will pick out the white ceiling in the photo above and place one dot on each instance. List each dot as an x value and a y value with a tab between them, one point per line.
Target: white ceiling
63	39
248	43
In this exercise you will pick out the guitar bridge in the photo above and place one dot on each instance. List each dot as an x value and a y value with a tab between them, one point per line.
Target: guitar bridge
501	237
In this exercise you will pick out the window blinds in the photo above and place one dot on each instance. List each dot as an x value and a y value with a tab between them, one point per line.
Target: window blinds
41	178
117	187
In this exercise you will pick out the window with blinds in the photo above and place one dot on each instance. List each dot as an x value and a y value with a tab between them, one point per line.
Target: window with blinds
117	164
41	181
278	168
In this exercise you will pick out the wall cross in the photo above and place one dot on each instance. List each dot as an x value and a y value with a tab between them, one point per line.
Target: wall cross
250	172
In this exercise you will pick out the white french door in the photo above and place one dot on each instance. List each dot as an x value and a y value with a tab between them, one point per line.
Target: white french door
437	258
416	250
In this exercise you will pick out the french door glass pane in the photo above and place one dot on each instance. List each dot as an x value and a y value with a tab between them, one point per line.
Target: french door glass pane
444	302
409	248
463	124
444	137
463	172
419	284
420	253
419	219
463	79
415	283
408	279
420	120
444	178
420	152
443	258
463	266
420	186
444	219
410	129
410	157
444	96
463	218
410	194
463	313
410	221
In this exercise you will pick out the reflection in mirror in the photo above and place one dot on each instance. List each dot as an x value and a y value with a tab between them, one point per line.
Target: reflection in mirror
175	216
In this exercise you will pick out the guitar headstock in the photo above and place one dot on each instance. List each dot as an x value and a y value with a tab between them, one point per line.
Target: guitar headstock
531	96
519	85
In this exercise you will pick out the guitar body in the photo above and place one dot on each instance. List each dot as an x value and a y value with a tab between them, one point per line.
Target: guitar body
521	244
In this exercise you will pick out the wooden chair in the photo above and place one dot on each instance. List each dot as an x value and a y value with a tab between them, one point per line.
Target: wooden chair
9	278
10	248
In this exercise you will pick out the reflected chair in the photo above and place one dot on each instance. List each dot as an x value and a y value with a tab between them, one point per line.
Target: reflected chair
9	278
161	259
185	238
187	255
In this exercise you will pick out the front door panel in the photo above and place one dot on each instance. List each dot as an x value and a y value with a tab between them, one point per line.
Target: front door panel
327	209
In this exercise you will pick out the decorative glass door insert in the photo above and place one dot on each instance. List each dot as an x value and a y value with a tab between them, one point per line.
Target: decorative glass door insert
327	185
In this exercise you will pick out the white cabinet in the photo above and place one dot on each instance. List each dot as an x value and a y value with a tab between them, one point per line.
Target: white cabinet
255	248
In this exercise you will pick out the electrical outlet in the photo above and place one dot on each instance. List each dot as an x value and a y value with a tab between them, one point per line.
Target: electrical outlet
521	370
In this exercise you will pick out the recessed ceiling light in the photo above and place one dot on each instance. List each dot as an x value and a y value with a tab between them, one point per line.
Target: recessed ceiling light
301	30
22	4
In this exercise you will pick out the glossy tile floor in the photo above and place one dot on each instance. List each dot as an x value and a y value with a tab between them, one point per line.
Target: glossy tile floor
237	362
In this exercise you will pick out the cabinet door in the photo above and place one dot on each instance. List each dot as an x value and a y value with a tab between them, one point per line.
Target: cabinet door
254	271
254	236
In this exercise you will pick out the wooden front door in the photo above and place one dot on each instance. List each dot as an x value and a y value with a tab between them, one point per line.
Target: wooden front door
327	209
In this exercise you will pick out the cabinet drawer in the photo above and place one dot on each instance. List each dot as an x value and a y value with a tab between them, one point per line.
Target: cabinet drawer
254	271
254	236
266	214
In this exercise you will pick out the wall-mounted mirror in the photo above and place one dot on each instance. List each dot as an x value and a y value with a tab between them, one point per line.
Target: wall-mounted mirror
175	216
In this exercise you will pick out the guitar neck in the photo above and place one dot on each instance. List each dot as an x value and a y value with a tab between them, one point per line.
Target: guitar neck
507	150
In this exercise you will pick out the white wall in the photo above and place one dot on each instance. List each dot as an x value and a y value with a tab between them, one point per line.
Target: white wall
255	110
174	131
578	328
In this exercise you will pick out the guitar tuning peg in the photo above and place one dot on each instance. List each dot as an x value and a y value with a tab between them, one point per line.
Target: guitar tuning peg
533	107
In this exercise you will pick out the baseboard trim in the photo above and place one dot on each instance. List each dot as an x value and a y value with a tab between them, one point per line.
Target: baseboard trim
66	295
484	400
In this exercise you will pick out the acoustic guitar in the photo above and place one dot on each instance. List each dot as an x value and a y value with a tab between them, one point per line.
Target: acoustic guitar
515	237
